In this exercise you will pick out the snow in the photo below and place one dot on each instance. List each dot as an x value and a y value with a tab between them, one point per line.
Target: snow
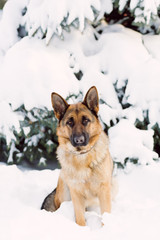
43	14
31	70
42	77
33	141
1	13
152	43
7	120
135	211
11	17
106	7
139	143
122	4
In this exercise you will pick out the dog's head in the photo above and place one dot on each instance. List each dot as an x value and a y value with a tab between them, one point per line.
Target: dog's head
79	127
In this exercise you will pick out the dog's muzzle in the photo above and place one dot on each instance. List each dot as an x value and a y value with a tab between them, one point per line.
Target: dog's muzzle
79	140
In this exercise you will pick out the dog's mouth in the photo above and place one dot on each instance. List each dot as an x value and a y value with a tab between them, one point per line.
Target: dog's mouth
85	147
82	150
78	149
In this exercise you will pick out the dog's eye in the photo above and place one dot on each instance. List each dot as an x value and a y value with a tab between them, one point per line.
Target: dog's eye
85	121
70	122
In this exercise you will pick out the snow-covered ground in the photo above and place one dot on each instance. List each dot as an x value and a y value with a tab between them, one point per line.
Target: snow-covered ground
135	212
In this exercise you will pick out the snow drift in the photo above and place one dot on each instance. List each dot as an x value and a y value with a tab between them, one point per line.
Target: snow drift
135	212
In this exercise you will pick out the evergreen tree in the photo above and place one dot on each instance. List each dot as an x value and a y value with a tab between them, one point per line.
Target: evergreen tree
36	141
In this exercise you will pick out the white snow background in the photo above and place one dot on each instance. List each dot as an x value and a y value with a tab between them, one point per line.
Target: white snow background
30	70
135	212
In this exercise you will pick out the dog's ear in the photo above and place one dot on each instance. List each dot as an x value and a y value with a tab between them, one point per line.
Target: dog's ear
59	105
91	100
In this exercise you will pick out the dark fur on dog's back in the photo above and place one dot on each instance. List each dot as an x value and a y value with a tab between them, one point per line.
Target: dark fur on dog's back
86	174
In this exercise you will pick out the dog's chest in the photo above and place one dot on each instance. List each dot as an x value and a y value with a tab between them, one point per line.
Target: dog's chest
76	176
84	172
85	180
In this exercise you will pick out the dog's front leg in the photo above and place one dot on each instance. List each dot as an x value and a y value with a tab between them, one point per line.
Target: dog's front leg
79	206
62	192
105	197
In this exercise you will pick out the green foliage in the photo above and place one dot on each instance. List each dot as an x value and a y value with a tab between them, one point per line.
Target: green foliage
36	141
139	15
156	129
3	148
145	125
142	16
2	2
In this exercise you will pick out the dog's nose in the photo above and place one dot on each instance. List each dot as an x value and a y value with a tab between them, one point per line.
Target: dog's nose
79	140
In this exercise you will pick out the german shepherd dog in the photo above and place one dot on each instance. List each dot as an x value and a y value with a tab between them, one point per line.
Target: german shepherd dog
86	164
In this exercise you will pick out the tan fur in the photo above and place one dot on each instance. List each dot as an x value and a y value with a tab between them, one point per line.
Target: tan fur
86	174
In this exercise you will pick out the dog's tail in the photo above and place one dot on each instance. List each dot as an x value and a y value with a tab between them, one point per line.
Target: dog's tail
48	203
